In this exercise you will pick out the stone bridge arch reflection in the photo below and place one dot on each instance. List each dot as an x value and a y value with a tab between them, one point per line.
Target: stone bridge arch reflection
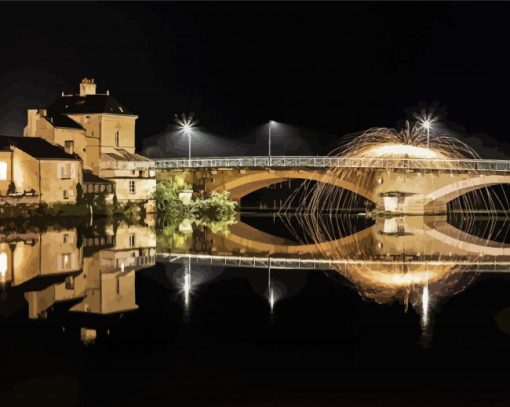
415	260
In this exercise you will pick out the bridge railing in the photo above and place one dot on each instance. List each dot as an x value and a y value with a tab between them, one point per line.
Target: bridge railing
340	162
469	265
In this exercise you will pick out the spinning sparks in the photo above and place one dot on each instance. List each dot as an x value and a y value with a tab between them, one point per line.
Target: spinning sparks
322	209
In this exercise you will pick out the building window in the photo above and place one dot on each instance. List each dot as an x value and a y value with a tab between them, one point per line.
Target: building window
132	187
65	261
69	283
117	138
66	238
66	194
69	146
3	170
65	171
132	240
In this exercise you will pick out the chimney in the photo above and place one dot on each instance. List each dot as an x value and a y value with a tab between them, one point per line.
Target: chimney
87	87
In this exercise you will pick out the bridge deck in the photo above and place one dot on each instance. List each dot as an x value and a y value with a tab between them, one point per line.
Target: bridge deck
499	166
323	264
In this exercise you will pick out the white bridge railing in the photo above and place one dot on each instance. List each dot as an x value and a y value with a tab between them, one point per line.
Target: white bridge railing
342	162
488	266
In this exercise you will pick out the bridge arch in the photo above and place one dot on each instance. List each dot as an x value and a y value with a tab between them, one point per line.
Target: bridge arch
244	184
454	190
249	239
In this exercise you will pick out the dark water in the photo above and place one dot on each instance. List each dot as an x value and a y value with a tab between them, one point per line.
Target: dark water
323	344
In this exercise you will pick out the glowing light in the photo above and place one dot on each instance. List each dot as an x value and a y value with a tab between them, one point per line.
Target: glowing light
426	120
187	128
271	300
425	299
426	124
3	267
401	151
186	123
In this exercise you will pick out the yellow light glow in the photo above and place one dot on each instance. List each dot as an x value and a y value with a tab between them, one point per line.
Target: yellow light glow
3	170
3	264
401	151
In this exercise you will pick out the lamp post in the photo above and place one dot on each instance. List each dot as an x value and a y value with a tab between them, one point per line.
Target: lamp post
269	142
427	125
187	129
426	121
186	123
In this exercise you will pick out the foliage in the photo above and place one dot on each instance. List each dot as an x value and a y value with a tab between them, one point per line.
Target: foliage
217	212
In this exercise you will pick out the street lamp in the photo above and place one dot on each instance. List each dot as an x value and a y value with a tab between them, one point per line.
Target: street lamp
186	125
426	121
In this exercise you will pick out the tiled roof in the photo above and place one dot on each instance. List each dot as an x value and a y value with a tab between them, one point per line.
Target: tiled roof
61	120
36	147
87	104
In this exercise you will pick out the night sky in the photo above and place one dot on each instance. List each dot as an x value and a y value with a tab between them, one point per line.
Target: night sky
329	69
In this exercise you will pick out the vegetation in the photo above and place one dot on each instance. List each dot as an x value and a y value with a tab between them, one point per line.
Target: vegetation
216	212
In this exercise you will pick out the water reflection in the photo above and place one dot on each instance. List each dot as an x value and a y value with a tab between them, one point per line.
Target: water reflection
416	261
93	273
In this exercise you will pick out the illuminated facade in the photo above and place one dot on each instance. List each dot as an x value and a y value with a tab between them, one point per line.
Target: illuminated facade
35	171
101	132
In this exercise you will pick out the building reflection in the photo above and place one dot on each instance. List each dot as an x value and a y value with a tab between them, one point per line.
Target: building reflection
94	274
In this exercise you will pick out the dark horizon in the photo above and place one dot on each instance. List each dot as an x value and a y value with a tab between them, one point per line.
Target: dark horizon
336	68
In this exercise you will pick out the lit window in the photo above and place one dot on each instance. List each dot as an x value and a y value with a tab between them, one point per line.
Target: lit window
3	170
3	263
132	187
66	261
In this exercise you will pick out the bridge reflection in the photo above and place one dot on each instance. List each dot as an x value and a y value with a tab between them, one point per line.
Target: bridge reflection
418	261
415	260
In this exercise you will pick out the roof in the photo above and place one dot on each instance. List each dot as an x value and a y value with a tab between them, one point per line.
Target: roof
61	120
69	104
36	147
90	177
123	155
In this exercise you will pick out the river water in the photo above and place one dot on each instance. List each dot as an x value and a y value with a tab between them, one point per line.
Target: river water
410	311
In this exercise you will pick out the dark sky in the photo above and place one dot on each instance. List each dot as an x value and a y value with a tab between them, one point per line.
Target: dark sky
333	67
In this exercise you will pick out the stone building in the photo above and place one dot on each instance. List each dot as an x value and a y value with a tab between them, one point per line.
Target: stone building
101	132
34	171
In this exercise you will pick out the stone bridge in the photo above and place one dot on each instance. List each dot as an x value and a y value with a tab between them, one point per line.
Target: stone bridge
395	186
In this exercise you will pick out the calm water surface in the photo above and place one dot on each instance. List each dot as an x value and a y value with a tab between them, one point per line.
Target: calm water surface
403	310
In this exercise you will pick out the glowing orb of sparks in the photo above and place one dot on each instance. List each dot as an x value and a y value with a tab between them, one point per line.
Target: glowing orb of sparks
401	151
